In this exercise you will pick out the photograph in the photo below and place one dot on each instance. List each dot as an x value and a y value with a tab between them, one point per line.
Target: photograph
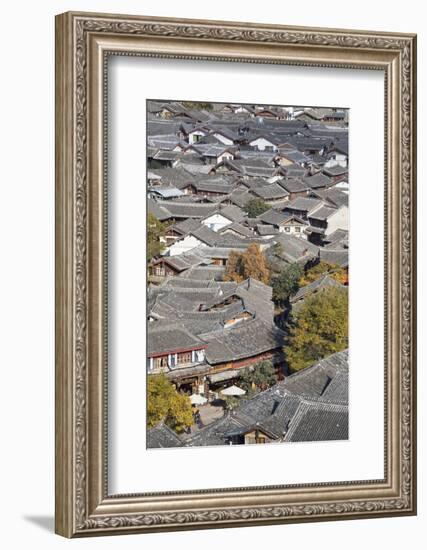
247	250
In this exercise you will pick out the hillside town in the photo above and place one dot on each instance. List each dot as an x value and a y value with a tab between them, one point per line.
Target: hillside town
247	267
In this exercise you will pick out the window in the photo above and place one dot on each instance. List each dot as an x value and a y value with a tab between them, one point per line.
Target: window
287	229
184	358
159	271
160	362
297	229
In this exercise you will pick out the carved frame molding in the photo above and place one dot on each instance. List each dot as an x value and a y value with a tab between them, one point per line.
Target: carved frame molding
83	42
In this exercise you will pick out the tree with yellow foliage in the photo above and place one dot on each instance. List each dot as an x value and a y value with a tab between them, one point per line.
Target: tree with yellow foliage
164	403
322	268
251	263
319	329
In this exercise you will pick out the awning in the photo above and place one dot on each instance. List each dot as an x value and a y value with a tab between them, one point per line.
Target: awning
197	399
233	390
221	376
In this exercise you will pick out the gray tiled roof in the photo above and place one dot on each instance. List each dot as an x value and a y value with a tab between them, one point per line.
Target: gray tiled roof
214	433
335	171
184	261
311	405
251	167
334	196
294	249
214	238
197	169
293	185
318	422
161	436
158	210
204	273
241	196
292	171
233	213
296	156
238	228
325	281
166	191
278	218
187	210
165	142
304	204
313	381
339	236
338	257
273	217
267	229
173	176
245	340
271	191
170	338
157	127
322	213
166	155
186	226
337	390
318	180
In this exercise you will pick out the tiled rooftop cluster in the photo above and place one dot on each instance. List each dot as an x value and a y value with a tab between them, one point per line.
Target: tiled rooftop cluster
311	405
207	166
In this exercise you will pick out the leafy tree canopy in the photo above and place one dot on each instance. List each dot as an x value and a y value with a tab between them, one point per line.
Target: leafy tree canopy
321	268
232	402
164	403
320	328
251	263
261	377
156	229
256	207
287	283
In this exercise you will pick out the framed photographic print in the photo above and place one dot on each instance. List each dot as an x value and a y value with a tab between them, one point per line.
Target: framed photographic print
235	274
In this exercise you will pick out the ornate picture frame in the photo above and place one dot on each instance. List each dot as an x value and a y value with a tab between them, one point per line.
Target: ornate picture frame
84	42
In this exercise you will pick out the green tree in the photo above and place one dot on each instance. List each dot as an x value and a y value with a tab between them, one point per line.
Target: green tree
256	207
231	402
287	283
261	377
319	329
251	263
164	403
156	229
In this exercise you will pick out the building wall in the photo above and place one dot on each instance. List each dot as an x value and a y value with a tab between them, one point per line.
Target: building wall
256	437
224	156
216	222
194	137
296	230
185	245
162	270
343	185
261	144
175	360
272	355
338	220
337	160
